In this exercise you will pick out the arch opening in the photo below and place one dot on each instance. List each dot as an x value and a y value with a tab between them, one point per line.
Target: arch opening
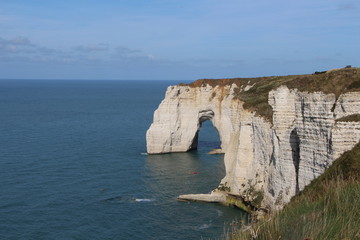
207	137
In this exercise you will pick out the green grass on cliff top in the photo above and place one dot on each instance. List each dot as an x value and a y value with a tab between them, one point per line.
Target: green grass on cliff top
256	99
326	209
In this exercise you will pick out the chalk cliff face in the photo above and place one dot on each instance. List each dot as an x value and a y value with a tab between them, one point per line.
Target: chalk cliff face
266	163
179	117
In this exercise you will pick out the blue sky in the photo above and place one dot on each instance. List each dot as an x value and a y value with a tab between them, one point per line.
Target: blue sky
175	39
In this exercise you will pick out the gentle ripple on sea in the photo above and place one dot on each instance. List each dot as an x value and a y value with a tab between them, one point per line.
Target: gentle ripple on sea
73	166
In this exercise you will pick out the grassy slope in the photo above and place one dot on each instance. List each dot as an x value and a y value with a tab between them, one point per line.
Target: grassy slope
328	208
333	81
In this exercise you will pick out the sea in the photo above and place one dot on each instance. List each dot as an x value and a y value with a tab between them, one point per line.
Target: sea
73	165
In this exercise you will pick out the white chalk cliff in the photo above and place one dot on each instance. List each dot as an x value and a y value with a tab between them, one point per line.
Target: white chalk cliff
266	163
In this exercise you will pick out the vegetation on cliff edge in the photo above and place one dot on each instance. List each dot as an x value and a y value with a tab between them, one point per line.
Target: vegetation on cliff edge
328	208
256	98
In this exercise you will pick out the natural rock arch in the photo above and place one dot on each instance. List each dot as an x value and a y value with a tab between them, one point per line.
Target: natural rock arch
207	129
205	115
179	117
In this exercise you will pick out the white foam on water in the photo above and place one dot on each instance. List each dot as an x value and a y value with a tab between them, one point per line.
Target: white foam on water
144	200
204	226
144	154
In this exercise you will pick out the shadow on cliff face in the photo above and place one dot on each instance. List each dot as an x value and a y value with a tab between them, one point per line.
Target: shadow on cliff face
295	152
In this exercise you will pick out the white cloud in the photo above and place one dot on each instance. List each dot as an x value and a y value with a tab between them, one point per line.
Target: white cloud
126	51
93	47
23	49
15	45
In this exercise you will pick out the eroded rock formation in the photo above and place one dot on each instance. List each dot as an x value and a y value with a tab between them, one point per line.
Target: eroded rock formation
266	162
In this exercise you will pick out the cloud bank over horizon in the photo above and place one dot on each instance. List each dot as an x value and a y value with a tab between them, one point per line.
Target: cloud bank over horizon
159	39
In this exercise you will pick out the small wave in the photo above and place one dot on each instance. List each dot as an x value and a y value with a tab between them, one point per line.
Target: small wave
219	213
144	154
144	200
204	226
122	199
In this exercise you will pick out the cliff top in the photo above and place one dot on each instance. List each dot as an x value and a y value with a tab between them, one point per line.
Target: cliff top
336	81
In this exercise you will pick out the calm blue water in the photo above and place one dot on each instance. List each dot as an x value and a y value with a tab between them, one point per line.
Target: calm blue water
72	166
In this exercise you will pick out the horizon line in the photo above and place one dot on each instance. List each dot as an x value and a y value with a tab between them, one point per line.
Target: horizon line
84	79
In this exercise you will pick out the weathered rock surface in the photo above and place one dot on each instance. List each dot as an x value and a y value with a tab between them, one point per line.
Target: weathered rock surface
216	151
266	164
215	196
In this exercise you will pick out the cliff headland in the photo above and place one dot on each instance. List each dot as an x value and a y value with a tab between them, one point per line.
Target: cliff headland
278	133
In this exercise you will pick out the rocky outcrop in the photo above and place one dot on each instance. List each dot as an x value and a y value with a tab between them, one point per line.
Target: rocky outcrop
266	163
178	119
